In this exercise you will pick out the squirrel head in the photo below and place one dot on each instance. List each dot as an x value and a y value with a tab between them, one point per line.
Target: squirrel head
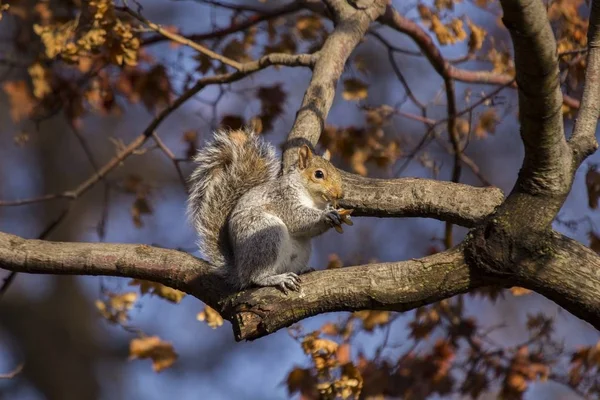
320	177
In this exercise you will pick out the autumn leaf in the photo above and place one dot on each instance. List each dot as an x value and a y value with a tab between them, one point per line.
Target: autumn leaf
519	291
592	182
474	384
312	344
140	207
190	138
211	316
21	102
476	37
301	380
161	353
204	63
373	319
3	7
236	50
343	353
334	262
309	26
232	122
354	89
40	79
115	309
487	123
158	289
594	242
272	99
350	382
379	116
462	127
361	64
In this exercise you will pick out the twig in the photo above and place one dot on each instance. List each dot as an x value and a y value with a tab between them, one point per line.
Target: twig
13	373
238	27
305	60
171	156
182	40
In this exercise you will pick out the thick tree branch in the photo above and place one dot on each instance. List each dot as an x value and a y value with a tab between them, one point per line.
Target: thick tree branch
169	267
256	312
567	273
546	168
583	141
351	26
397	286
413	197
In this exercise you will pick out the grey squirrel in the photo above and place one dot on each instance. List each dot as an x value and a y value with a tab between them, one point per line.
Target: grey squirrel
255	223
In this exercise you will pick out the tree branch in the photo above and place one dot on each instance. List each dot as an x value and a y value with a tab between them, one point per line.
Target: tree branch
351	27
583	141
459	204
397	286
547	164
256	312
567	273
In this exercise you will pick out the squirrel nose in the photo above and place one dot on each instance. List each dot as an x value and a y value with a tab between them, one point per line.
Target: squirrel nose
338	194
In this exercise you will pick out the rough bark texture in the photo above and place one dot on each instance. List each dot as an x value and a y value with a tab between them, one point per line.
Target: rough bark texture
413	197
351	26
511	241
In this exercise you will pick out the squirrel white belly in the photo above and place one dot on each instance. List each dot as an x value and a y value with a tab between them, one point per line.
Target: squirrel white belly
256	223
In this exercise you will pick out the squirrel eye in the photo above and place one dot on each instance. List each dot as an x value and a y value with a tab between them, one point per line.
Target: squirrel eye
319	174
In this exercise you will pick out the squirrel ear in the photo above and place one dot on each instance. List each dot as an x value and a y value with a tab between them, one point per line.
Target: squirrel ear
327	155
304	156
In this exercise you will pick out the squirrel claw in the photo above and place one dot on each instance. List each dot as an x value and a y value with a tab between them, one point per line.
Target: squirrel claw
333	218
289	281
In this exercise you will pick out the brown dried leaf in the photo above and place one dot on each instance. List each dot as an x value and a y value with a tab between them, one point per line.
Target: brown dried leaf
312	344
488	120
355	89
115	309
272	100
40	79
232	122
302	380
236	50
334	262
161	353
519	291
211	316
343	353
309	26
477	37
21	101
140	207
592	182
594	242
350	382
158	289
373	319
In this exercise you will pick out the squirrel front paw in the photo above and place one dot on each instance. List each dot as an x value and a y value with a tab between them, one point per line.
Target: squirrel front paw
333	218
336	218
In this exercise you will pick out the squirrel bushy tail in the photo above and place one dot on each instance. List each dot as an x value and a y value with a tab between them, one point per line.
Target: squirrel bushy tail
227	167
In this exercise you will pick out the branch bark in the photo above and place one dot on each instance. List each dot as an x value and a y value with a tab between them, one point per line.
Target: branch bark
351	26
413	197
583	141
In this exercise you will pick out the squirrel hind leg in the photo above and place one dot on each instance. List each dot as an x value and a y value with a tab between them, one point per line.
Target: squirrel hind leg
284	282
